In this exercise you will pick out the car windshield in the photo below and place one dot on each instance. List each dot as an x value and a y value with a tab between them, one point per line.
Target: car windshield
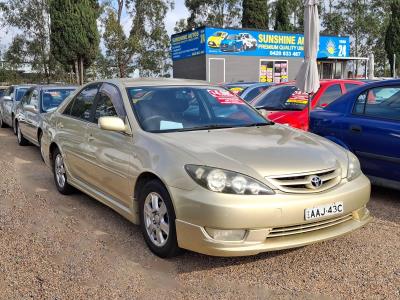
231	37
166	109
20	93
218	34
283	97
52	98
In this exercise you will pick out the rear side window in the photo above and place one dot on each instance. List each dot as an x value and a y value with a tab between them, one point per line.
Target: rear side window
81	106
331	94
350	86
255	92
20	93
381	102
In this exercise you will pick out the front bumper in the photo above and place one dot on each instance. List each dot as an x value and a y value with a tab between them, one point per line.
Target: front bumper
272	222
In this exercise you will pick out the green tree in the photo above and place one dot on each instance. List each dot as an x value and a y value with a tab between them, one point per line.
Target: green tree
16	53
392	39
255	14
74	34
219	13
119	47
152	42
296	9
282	21
31	17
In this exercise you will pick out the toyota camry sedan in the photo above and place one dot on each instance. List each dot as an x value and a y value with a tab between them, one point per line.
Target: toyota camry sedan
37	101
200	169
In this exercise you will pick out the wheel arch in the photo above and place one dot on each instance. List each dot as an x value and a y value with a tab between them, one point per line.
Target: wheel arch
53	146
338	141
142	179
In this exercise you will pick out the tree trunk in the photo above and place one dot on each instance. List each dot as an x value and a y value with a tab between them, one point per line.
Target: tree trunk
77	71
81	71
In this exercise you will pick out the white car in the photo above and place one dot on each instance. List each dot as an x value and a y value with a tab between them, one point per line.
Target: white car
249	42
8	103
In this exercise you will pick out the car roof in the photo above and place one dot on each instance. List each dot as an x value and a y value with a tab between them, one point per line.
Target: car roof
328	81
137	82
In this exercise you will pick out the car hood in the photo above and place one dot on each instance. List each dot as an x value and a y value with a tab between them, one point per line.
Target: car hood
258	151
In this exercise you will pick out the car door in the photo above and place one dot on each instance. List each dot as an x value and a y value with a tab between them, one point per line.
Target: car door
31	111
373	131
111	153
20	112
7	106
71	126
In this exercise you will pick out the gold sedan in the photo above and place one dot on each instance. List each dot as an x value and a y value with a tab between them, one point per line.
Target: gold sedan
200	169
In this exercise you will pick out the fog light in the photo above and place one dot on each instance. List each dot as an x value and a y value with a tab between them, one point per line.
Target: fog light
232	235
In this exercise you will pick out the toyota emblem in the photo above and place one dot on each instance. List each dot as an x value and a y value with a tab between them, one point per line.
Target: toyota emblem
316	182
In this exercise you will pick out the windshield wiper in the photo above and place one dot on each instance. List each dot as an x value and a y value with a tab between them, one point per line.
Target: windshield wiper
259	124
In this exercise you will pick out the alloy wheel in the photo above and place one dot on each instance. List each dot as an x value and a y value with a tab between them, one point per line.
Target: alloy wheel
156	219
59	170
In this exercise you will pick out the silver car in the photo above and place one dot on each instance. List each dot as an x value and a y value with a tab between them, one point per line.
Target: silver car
29	111
8	103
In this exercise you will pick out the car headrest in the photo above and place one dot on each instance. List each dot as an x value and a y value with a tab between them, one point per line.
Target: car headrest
167	101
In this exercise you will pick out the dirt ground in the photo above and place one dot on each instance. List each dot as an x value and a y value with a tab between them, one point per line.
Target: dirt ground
73	247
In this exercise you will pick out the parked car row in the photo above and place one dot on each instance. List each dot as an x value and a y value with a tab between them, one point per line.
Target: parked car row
366	120
198	167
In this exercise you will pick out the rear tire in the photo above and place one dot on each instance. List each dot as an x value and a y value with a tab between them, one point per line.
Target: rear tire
60	174
20	137
2	125
157	220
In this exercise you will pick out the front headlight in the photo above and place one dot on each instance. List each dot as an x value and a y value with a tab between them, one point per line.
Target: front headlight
227	182
354	168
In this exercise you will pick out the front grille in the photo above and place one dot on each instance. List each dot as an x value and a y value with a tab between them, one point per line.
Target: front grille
299	229
302	183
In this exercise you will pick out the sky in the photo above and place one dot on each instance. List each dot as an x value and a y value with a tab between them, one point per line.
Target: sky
179	12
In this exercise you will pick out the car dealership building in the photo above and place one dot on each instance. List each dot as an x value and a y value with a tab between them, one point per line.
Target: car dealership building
228	55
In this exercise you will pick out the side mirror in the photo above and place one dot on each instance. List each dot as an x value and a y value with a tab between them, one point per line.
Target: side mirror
112	124
31	108
7	98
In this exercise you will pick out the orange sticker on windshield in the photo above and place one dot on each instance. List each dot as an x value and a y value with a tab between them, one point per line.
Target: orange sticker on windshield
225	97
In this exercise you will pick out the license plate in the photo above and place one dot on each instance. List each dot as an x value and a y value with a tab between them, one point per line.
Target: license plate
323	211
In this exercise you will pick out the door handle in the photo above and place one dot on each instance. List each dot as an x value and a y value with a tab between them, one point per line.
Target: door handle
356	128
90	138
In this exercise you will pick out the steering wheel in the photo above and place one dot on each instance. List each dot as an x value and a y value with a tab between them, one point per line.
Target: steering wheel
148	122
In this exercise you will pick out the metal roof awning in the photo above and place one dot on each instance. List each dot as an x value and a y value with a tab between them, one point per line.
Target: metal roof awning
343	58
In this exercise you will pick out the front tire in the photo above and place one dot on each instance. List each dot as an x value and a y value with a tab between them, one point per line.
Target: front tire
40	145
157	220
20	137
60	174
2	125
14	124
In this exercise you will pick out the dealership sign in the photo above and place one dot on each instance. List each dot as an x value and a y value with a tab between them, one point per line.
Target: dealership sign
242	42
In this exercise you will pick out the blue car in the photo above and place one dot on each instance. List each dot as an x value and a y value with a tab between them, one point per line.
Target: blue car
366	121
232	42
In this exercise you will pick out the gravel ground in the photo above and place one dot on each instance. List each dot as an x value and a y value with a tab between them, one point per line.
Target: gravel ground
58	247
